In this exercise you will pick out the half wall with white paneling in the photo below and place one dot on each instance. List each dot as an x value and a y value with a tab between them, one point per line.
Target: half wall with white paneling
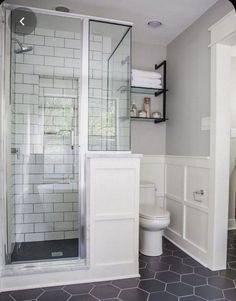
179	182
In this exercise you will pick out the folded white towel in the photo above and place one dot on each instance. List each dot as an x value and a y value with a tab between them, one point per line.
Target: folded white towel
146	85
146	74
147	80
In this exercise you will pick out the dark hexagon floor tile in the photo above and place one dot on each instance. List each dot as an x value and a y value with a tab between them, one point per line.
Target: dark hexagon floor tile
166	252
112	299
171	260
133	294
190	261
158	266
221	282
168	276
58	295
208	292
231	274
142	264
231	251
26	294
193	279
5	297
126	283
152	285
181	269
171	247
146	274
232	265
179	289
105	291
231	258
180	254
230	294
191	298
76	289
205	272
162	296
82	298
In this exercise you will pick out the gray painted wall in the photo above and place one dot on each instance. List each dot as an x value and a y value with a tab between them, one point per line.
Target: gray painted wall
188	58
146	137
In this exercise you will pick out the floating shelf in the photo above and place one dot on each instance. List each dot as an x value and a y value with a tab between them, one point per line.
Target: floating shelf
156	120
147	91
155	92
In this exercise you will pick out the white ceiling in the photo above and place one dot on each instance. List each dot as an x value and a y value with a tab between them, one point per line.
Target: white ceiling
176	15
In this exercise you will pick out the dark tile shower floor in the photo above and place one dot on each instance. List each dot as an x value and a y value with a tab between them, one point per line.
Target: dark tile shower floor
51	249
174	276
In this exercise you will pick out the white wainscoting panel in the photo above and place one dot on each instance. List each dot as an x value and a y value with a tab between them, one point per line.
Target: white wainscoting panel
175	181
188	210
152	169
176	213
196	225
109	241
114	199
118	198
197	179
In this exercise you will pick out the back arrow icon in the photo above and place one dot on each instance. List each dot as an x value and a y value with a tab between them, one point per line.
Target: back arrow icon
21	21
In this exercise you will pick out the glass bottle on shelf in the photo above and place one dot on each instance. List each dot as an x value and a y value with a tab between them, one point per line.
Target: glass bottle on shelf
147	106
133	110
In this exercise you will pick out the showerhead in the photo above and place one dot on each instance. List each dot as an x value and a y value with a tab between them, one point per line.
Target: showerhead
22	49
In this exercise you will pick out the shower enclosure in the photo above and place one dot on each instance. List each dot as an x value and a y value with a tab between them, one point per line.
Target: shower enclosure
67	92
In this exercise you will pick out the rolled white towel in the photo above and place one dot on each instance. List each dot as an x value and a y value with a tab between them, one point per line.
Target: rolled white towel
146	74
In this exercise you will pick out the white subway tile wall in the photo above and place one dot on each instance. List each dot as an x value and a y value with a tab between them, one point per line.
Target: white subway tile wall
45	102
45	97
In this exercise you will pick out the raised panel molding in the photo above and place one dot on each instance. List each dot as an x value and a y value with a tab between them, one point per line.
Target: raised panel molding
176	213
192	176
181	177
152	169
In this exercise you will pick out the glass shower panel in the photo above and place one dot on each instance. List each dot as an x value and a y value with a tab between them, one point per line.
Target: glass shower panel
118	97
43	204
109	87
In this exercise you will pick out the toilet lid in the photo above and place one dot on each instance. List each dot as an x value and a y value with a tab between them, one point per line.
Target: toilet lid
153	212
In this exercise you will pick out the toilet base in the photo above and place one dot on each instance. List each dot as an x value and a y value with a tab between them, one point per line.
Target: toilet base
150	242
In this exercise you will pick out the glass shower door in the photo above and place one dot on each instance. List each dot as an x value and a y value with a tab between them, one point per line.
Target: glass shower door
43	202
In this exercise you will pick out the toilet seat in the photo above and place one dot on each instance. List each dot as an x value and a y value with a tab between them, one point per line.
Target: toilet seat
153	212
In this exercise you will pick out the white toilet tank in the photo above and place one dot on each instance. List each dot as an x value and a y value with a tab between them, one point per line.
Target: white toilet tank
147	193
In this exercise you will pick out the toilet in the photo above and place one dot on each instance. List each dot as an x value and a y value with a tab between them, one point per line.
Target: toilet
152	221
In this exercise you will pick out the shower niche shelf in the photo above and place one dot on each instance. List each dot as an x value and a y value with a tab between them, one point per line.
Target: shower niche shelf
156	93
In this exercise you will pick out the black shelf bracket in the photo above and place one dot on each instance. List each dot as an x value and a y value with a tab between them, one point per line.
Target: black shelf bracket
164	66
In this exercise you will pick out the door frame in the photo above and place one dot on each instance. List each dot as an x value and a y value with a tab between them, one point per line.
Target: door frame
223	36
